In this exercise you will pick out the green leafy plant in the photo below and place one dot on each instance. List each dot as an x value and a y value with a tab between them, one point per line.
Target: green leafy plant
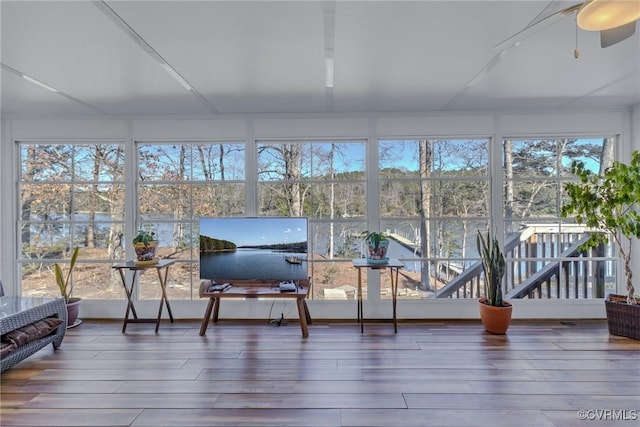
144	237
608	203
494	266
65	284
374	237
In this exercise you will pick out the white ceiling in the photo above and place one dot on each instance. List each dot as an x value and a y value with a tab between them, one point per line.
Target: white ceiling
269	57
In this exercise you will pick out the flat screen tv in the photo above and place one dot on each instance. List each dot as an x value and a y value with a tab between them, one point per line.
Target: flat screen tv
261	249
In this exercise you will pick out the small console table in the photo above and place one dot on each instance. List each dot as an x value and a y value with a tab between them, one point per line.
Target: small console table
394	267
162	268
241	289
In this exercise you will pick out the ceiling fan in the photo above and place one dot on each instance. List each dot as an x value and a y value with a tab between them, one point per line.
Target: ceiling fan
614	19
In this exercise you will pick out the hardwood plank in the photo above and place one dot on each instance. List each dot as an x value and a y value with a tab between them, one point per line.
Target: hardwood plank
501	401
429	418
60	386
122	400
558	387
284	373
311	400
239	417
250	386
449	374
117	374
67	418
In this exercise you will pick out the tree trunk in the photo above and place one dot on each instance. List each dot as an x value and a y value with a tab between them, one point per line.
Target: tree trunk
508	189
425	155
606	157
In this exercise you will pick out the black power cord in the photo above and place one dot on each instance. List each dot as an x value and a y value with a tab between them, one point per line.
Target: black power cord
278	322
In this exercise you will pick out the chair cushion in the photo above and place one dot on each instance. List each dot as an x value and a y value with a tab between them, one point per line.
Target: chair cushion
32	331
6	348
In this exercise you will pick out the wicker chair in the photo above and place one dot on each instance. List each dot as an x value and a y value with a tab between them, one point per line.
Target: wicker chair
17	316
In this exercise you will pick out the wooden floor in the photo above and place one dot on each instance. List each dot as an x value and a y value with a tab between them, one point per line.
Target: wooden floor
445	373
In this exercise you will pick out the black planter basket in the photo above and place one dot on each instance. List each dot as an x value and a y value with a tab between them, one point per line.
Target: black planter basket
623	318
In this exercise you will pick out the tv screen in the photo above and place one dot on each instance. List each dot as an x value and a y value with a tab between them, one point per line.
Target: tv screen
263	249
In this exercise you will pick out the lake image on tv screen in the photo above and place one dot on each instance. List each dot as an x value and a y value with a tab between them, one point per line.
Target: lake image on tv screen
253	248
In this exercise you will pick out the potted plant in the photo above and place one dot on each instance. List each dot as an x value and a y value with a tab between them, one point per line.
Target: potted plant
608	203
495	313
377	245
145	245
65	284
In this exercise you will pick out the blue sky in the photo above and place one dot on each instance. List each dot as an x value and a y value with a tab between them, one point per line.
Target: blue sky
255	231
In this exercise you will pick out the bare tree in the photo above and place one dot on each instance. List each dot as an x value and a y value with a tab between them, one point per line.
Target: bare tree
508	185
425	157
607	156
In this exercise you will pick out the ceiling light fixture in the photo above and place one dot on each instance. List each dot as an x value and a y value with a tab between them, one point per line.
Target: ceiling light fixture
329	21
599	15
137	38
176	76
328	63
39	83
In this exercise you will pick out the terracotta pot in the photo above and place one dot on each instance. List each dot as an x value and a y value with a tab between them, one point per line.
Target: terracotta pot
495	320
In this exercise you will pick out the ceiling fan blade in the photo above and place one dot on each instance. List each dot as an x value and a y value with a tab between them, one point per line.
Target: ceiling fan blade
617	34
536	26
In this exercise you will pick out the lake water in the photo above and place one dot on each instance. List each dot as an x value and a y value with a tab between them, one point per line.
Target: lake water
252	264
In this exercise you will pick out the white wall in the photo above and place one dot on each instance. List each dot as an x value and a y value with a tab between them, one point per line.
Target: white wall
371	126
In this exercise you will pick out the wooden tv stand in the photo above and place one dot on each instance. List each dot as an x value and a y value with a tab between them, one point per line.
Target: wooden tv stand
242	289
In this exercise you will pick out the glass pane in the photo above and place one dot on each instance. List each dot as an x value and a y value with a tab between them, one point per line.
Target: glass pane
530	158
179	283
177	240
336	280
218	199
538	199
45	202
401	158
284	162
38	280
400	198
459	158
101	201
94	238
164	162
97	281
459	198
591	152
45	240
283	199
336	240
164	201
337	161
99	162
398	158
336	201
218	162
41	162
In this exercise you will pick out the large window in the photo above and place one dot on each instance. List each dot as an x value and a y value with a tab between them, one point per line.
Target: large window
178	183
324	181
534	174
71	195
431	195
434	195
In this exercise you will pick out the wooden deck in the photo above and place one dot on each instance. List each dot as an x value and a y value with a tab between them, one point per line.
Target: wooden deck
447	373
